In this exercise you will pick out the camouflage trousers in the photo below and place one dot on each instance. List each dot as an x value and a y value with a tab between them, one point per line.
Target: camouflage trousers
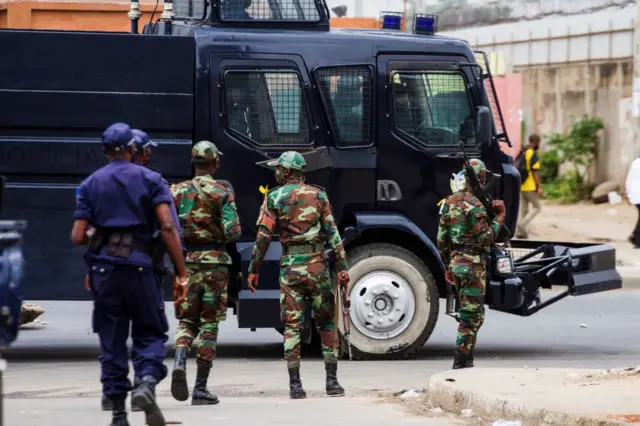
203	309
470	280
303	284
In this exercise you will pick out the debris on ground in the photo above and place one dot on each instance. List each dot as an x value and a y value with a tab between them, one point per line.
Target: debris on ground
29	313
593	377
466	413
410	394
507	423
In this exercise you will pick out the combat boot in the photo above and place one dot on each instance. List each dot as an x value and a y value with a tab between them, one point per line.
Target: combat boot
462	360
295	384
143	396
179	387
107	404
201	395
119	413
136	383
333	387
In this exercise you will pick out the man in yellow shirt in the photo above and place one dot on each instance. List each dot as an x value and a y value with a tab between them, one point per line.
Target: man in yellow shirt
531	189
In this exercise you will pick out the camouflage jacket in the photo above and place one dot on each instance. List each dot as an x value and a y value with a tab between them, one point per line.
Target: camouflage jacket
300	214
464	222
204	225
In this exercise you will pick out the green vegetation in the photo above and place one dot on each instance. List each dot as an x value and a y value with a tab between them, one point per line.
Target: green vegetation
576	150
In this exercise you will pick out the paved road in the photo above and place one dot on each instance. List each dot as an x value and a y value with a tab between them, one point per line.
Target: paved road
594	331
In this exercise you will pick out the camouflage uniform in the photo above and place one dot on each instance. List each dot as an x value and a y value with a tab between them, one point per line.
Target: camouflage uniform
465	235
208	224
301	215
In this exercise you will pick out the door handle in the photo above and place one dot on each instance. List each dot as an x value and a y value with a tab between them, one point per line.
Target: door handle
450	155
389	190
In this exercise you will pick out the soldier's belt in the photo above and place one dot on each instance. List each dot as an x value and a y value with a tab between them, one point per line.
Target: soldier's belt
204	247
302	248
472	250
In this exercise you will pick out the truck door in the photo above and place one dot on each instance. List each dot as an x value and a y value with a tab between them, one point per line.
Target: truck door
427	111
260	108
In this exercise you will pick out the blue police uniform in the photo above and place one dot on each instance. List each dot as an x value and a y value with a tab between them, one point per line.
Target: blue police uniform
143	142
120	199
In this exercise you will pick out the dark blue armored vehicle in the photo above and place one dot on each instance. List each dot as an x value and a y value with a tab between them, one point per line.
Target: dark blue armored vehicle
378	115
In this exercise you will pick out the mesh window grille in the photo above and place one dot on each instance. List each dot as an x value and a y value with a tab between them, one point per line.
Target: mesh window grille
347	93
189	9
267	107
269	10
433	108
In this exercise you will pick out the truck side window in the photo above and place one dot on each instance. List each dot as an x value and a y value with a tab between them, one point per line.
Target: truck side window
348	102
432	107
267	107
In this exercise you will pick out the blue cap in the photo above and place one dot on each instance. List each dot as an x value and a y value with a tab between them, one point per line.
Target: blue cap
142	140
118	136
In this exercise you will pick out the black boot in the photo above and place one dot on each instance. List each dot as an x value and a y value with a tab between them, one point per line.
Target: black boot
462	360
179	387
107	404
201	395
333	387
295	384
144	397
119	413
136	383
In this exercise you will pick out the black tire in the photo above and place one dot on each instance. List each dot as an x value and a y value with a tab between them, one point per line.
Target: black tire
364	261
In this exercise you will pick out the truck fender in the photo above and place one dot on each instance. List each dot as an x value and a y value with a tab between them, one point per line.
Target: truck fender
365	221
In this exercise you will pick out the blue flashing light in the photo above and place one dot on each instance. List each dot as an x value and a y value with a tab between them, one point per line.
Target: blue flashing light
425	24
391	20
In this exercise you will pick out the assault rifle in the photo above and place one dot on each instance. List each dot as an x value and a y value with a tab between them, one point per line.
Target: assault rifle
483	193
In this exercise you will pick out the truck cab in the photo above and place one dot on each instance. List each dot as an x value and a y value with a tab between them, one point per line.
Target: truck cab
378	114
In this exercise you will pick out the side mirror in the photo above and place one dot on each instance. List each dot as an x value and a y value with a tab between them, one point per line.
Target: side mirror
483	126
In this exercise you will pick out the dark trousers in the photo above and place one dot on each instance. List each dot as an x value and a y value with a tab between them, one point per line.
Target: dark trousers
636	231
128	297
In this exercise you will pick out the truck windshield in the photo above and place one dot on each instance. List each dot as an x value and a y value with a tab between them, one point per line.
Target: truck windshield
433	107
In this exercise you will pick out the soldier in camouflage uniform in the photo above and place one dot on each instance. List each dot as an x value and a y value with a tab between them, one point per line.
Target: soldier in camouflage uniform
465	235
209	219
301	214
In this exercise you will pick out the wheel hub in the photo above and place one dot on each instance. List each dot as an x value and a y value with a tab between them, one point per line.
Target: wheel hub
383	304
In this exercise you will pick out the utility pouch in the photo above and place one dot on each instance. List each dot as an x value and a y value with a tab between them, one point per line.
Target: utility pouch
120	245
96	242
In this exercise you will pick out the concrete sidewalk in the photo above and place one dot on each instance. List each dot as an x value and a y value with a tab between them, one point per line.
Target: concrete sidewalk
546	396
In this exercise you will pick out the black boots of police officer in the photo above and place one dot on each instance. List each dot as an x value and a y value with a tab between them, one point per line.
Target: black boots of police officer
332	386
462	360
201	395
143	395
119	410
295	384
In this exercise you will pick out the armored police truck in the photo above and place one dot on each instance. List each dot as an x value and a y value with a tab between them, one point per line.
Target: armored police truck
378	114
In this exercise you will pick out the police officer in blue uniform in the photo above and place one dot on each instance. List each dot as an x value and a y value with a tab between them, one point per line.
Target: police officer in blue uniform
124	203
142	157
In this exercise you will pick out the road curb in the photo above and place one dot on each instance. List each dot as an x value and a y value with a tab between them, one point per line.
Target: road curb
443	393
630	276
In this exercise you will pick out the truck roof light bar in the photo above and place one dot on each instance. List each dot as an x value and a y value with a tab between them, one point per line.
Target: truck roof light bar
391	20
425	24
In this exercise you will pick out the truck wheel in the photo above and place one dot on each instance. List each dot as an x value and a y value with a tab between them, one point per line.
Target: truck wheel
394	302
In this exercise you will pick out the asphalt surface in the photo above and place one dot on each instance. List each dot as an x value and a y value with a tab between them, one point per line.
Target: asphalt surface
44	386
588	331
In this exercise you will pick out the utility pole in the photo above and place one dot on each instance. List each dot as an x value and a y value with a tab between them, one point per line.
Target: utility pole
635	108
